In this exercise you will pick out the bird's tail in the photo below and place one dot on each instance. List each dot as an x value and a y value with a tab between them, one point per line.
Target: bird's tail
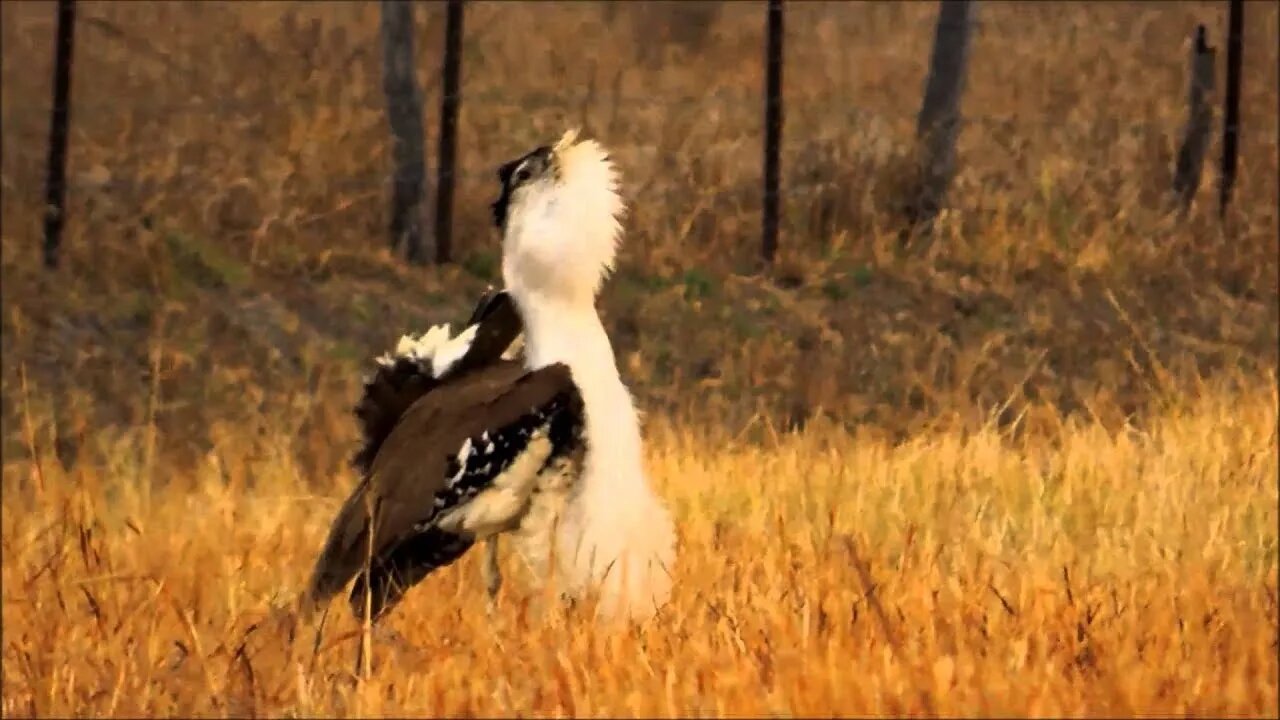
342	555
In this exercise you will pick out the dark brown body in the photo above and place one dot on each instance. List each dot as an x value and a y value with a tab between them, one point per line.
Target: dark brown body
425	473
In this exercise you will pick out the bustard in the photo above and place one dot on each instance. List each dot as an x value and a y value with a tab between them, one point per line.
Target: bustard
546	451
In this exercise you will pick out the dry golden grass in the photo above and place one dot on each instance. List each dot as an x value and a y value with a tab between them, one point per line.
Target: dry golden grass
229	204
1050	433
1098	575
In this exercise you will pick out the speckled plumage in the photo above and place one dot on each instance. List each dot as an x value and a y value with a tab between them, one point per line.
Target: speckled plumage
456	437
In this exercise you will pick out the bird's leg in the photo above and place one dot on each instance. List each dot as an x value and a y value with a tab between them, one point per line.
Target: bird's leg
393	637
489	569
390	636
357	672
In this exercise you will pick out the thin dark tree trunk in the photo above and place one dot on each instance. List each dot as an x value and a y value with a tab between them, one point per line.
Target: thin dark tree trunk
1231	104
1195	140
772	129
449	101
404	114
59	118
938	124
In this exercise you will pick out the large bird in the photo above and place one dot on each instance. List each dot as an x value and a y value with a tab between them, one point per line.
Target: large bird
463	443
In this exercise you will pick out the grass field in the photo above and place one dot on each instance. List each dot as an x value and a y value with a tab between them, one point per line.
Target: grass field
1025	466
1099	575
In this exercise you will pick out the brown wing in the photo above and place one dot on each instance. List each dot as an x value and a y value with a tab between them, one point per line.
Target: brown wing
395	387
445	450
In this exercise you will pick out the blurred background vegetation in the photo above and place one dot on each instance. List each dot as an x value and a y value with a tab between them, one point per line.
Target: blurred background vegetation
226	272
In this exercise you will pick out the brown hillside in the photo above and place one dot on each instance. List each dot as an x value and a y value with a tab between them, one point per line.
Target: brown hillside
225	257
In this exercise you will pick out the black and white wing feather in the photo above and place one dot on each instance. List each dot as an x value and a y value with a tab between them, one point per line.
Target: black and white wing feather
420	365
459	463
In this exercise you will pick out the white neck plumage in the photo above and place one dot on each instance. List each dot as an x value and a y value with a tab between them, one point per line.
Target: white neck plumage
559	242
562	331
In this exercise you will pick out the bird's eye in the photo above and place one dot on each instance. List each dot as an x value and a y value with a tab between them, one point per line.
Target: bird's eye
522	175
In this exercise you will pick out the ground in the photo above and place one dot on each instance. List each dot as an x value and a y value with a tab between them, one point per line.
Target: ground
1047	432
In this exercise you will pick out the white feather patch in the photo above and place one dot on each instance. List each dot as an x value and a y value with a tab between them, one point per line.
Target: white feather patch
452	351
417	349
436	349
464	452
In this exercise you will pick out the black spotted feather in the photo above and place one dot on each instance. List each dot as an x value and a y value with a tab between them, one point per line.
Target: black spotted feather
432	446
409	556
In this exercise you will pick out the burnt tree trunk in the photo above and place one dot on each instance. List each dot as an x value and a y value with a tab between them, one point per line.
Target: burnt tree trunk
404	114
1195	138
938	124
59	118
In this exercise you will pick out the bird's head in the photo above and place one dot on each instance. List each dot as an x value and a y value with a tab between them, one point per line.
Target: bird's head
558	213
